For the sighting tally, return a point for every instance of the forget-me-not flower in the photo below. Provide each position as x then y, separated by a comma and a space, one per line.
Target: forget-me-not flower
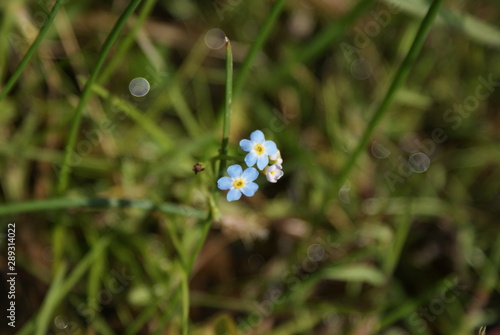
258, 149
273, 172
276, 160
238, 182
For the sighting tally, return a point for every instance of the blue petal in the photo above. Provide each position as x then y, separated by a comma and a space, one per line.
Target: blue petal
234, 194
224, 183
257, 136
234, 171
246, 145
249, 189
250, 174
250, 159
270, 147
262, 162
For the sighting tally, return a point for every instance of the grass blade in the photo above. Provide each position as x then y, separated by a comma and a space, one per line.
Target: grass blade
396, 83
257, 45
127, 42
65, 170
31, 51
227, 107
65, 203
59, 288
50, 302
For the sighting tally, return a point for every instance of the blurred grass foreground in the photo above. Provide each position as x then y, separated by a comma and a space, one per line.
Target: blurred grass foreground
117, 119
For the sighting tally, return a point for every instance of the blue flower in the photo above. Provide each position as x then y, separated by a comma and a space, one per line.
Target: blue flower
258, 149
238, 182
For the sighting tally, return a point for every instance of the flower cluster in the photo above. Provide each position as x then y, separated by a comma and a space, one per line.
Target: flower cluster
261, 152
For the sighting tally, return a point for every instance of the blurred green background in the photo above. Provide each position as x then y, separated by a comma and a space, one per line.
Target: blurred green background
404, 242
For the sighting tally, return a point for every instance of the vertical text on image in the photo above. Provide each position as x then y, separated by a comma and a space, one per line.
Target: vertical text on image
11, 274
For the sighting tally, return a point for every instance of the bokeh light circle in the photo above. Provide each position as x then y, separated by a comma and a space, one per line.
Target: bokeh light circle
419, 162
215, 38
344, 192
379, 151
316, 252
61, 322
139, 87
361, 69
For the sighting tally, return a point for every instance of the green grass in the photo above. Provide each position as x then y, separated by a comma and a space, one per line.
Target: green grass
115, 233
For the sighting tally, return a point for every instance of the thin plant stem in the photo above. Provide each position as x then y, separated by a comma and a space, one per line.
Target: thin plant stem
226, 157
67, 203
5, 25
31, 51
402, 230
227, 107
127, 41
185, 302
65, 170
396, 83
50, 301
242, 75
174, 237
226, 127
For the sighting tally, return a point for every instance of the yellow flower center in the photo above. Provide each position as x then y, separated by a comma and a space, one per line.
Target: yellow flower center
238, 183
259, 149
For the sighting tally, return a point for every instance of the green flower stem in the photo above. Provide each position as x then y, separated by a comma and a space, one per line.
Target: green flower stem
67, 203
222, 166
226, 157
245, 69
65, 170
185, 302
31, 51
227, 108
396, 83
243, 72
